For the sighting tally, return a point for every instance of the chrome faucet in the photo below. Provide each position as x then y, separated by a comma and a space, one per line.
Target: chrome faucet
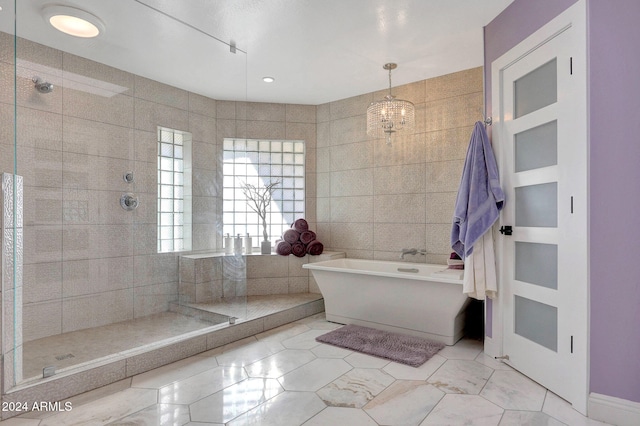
412, 251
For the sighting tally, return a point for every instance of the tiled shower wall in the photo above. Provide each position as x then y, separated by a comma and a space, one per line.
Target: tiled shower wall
373, 199
88, 262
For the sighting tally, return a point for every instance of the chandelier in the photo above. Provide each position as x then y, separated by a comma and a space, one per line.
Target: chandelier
387, 116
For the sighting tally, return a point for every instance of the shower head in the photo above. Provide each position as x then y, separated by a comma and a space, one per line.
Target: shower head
42, 86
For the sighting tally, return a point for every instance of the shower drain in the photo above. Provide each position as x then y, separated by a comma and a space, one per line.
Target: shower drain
65, 356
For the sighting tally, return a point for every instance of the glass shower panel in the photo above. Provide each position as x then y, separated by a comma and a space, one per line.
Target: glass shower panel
537, 322
537, 147
87, 147
537, 205
537, 264
11, 224
536, 89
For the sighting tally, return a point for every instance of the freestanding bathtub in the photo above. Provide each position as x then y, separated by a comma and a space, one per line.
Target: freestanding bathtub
411, 298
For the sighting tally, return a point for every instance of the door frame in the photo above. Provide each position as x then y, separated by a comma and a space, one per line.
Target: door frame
574, 17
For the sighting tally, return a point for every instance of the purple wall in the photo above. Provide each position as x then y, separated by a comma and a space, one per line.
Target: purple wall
614, 189
614, 175
518, 21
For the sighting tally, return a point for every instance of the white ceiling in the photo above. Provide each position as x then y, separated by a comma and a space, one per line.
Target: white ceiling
317, 50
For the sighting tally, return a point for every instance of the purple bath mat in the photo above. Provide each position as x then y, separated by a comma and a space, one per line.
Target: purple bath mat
410, 350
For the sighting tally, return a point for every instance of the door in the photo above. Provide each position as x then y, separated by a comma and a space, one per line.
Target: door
540, 139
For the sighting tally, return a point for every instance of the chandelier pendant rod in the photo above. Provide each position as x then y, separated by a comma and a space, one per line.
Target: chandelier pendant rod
390, 66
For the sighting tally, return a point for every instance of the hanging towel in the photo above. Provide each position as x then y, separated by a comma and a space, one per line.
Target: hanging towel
480, 196
479, 279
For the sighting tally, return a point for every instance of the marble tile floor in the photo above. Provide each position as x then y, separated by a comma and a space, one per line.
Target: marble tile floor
284, 377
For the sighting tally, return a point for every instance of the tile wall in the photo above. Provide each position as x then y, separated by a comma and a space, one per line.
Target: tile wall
88, 262
373, 199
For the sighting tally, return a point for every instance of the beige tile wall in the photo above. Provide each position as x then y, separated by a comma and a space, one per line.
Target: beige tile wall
87, 261
373, 199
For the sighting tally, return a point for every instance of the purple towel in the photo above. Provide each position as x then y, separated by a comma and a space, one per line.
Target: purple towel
291, 236
283, 248
315, 248
480, 196
298, 249
300, 225
307, 236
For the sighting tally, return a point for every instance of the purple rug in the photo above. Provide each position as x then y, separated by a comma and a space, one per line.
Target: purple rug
410, 350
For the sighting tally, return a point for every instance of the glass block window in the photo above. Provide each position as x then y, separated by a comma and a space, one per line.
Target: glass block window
261, 163
174, 190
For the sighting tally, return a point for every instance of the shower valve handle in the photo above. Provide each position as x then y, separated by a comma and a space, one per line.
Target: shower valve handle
129, 201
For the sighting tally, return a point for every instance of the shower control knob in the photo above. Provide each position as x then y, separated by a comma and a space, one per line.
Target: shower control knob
129, 201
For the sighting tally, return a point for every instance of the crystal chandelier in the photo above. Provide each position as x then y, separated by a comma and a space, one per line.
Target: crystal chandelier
387, 116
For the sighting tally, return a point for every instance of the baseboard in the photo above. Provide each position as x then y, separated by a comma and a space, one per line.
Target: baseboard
615, 411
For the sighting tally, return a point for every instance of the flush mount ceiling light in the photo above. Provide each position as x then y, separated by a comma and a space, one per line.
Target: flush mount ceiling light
72, 21
389, 115
268, 79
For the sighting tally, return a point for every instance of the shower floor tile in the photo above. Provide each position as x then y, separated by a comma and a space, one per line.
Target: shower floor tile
77, 347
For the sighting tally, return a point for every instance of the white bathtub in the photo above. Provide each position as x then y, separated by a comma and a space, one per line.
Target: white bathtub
418, 299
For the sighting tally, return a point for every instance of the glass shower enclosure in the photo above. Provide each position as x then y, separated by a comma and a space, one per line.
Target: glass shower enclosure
111, 177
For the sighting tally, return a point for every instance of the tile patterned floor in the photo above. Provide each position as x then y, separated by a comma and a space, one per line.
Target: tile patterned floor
284, 377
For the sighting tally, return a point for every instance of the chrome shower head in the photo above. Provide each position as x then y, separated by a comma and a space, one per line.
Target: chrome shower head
42, 86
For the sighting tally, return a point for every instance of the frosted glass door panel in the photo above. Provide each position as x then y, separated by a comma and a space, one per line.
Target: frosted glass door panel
537, 147
537, 264
536, 89
537, 205
537, 322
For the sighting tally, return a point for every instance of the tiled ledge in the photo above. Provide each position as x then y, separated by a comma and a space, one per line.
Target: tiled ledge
211, 277
326, 255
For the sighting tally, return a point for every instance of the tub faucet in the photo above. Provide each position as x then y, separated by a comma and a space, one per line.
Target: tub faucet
412, 251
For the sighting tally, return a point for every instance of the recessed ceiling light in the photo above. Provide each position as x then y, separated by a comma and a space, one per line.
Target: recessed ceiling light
72, 21
268, 79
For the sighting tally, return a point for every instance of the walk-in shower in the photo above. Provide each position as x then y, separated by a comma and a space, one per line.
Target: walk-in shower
86, 280
118, 264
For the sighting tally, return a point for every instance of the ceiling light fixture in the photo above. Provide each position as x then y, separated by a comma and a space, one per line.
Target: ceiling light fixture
268, 79
72, 21
387, 116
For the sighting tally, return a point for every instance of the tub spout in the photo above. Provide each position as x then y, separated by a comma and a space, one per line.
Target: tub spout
412, 251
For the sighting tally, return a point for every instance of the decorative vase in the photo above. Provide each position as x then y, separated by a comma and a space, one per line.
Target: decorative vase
265, 247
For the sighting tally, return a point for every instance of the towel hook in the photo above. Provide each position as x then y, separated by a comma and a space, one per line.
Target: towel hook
486, 120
